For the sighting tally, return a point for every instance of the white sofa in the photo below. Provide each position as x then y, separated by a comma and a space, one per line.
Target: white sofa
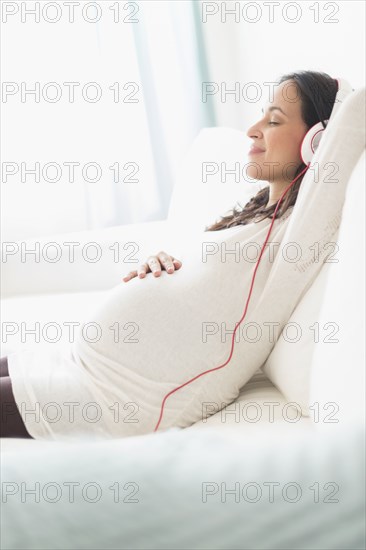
209, 485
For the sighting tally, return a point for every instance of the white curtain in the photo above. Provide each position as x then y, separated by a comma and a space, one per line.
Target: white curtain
137, 106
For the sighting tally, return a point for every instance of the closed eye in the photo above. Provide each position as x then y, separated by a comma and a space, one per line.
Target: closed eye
273, 122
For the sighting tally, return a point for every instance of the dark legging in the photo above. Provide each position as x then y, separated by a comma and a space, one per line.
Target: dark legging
11, 424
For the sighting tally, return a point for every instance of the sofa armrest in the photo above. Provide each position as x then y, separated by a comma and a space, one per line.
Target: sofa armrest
191, 489
80, 261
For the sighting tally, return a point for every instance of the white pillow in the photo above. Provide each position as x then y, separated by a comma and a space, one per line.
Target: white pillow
288, 366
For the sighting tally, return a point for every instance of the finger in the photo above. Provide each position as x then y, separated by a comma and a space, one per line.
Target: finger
154, 265
166, 261
143, 269
129, 276
177, 264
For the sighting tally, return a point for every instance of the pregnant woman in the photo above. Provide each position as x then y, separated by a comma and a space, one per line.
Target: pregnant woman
181, 314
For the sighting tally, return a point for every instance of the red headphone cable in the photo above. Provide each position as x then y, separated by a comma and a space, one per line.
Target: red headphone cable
246, 306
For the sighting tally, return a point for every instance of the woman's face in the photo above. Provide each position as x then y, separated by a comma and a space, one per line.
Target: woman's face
278, 135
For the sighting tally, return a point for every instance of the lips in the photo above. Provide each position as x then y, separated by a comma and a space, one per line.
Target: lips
254, 150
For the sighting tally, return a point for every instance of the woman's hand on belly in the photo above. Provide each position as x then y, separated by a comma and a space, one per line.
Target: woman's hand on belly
154, 264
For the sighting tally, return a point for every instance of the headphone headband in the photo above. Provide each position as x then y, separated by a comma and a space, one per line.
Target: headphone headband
344, 88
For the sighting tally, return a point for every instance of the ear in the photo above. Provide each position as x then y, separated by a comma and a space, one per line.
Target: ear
311, 141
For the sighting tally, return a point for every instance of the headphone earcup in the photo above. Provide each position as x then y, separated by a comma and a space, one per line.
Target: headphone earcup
311, 141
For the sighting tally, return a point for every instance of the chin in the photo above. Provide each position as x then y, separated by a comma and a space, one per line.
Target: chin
255, 171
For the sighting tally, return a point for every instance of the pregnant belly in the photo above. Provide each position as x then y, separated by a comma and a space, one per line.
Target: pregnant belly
167, 328
171, 328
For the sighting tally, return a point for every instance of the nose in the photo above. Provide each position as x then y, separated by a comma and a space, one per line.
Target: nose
254, 132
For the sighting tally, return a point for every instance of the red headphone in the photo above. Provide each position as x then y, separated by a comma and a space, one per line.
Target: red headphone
312, 138
309, 145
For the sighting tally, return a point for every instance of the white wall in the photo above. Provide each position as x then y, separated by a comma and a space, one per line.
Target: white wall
261, 51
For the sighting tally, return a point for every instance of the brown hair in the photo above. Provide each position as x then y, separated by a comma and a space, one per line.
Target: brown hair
317, 93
